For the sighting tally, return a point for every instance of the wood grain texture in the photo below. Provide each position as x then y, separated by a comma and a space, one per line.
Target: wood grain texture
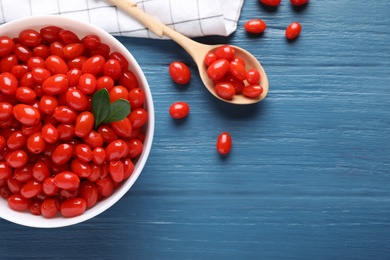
308, 176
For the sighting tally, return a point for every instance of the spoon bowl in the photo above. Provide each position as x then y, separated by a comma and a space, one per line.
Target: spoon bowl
197, 51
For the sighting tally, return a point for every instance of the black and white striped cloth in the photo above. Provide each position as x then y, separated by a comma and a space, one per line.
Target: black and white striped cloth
190, 17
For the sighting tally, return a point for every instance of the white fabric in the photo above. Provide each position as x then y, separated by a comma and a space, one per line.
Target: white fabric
190, 17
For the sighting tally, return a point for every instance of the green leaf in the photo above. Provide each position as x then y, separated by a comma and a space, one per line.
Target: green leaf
100, 105
119, 110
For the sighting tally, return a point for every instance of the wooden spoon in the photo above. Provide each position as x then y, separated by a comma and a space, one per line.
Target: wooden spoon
197, 51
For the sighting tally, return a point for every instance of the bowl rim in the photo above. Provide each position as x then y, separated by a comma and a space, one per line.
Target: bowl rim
73, 24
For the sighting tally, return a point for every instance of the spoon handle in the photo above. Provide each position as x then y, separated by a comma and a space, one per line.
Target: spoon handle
193, 48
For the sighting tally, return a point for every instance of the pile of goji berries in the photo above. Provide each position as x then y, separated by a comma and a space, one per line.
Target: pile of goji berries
230, 75
54, 158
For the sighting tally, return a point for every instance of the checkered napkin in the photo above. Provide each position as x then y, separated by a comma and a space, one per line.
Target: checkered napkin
190, 17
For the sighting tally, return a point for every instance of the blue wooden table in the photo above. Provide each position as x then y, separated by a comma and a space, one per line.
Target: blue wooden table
309, 173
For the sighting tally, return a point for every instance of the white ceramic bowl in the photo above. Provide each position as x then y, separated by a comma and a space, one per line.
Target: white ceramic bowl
12, 29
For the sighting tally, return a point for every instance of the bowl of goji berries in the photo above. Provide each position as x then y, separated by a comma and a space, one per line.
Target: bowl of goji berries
76, 121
